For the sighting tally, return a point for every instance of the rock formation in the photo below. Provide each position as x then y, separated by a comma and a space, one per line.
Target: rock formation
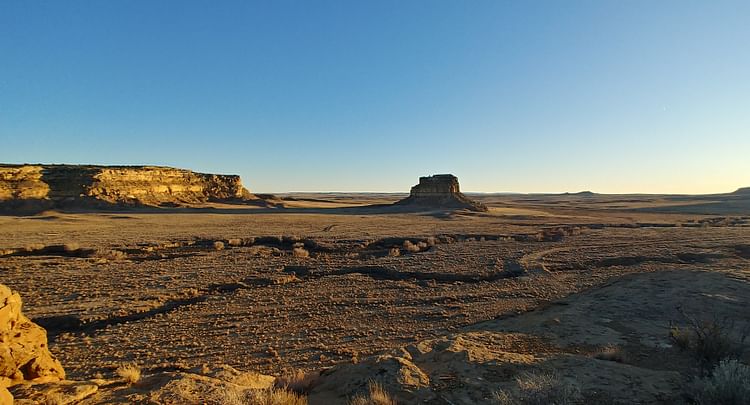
54, 186
440, 191
24, 355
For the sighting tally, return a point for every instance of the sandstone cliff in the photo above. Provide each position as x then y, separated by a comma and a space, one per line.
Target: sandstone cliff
440, 191
23, 348
50, 186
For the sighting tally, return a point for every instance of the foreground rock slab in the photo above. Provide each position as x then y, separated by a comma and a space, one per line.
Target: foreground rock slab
24, 355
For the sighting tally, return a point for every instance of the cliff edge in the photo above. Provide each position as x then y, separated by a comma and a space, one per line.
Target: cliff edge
34, 187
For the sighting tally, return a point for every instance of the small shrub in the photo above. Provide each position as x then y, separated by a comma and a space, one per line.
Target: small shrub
130, 373
611, 353
297, 381
300, 252
71, 247
377, 395
394, 252
431, 241
729, 384
271, 396
275, 396
680, 337
219, 245
109, 254
708, 340
540, 389
234, 242
410, 247
33, 247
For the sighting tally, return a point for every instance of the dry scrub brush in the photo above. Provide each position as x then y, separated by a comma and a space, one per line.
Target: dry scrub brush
298, 381
269, 396
130, 373
540, 389
729, 384
611, 353
300, 252
709, 340
377, 395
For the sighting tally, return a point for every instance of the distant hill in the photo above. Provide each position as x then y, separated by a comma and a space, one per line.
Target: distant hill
742, 191
582, 194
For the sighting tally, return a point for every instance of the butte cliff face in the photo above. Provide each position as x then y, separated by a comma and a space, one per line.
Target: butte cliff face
440, 191
52, 186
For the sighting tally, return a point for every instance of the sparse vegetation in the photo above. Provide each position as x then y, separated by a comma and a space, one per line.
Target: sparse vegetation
410, 247
376, 395
71, 247
234, 242
709, 340
218, 245
270, 396
539, 389
130, 373
611, 353
297, 381
300, 252
729, 384
394, 252
275, 396
112, 255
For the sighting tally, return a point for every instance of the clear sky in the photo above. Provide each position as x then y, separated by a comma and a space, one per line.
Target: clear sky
526, 96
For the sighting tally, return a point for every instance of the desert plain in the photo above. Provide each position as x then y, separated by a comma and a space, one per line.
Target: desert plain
334, 292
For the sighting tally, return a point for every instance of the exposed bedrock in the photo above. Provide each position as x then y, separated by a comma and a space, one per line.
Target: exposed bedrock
24, 355
51, 186
440, 191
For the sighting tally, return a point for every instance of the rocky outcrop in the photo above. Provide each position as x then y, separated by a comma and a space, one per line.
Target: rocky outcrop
440, 191
52, 186
24, 355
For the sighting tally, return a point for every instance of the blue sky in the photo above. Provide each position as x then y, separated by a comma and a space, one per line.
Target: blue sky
525, 96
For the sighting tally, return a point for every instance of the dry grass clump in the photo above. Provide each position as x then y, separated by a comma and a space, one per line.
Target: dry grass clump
611, 353
130, 373
394, 252
300, 252
377, 395
540, 389
218, 245
110, 254
297, 381
708, 340
271, 396
33, 247
71, 247
275, 396
234, 242
410, 247
729, 384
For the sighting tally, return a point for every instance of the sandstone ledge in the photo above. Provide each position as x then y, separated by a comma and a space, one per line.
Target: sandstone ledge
38, 187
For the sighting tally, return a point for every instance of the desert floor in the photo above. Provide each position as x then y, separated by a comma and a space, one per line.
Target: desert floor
570, 274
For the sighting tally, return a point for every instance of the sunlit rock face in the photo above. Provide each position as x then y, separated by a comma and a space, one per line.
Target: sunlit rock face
440, 191
24, 355
436, 186
53, 185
